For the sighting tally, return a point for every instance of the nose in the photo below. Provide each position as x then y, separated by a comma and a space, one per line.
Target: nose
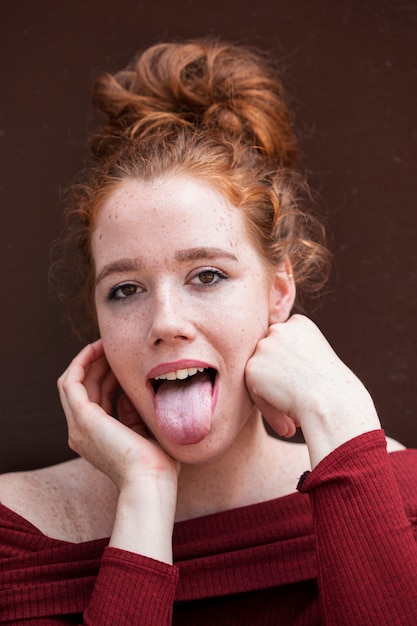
170, 317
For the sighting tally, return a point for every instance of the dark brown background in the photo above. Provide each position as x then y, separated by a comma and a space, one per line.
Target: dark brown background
351, 68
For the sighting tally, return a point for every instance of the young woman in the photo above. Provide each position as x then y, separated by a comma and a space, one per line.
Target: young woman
192, 242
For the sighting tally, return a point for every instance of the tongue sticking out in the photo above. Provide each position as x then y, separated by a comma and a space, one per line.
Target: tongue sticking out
183, 409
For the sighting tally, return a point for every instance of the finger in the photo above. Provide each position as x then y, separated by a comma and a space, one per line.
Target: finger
290, 426
129, 416
105, 382
108, 390
79, 365
281, 423
72, 391
91, 369
101, 383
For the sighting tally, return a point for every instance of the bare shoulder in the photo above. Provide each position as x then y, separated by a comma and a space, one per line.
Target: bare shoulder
301, 452
393, 445
292, 459
297, 458
70, 501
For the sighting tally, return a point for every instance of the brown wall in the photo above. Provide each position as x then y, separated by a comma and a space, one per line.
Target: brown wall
352, 72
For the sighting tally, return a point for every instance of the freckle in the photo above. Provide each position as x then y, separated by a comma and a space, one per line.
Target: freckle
101, 237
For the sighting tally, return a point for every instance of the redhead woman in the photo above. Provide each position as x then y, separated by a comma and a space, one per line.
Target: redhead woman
194, 250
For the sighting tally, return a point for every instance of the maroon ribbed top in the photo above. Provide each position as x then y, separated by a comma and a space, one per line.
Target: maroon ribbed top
341, 552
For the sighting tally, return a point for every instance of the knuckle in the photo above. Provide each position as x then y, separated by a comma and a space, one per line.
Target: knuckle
64, 385
73, 440
250, 366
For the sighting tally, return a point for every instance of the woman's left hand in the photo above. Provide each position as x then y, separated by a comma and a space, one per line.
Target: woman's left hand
296, 379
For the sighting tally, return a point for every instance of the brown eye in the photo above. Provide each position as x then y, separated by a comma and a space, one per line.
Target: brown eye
128, 290
124, 291
207, 276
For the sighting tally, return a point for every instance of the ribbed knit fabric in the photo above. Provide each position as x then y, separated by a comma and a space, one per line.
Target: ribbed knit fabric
363, 534
135, 592
342, 552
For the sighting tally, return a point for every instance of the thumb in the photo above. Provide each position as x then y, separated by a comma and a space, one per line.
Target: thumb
283, 425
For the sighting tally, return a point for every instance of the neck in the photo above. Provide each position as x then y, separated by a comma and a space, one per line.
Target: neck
239, 477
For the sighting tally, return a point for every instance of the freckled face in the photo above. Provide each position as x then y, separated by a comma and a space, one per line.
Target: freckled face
180, 285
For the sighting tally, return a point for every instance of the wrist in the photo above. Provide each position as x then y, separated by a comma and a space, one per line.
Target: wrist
339, 418
145, 516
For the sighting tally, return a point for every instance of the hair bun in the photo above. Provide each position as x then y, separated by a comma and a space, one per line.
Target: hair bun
227, 89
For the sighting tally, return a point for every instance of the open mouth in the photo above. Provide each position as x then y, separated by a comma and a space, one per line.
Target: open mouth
184, 376
184, 401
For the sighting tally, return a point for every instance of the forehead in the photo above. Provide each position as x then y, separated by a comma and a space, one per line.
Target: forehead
178, 209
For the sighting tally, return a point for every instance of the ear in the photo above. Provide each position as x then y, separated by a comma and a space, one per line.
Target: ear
282, 294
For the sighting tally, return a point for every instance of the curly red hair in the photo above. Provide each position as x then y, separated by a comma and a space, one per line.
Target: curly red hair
208, 109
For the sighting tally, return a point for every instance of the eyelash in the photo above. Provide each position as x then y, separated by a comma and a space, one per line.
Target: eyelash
210, 270
112, 294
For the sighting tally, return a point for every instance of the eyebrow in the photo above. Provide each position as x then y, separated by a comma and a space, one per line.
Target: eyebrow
117, 267
190, 254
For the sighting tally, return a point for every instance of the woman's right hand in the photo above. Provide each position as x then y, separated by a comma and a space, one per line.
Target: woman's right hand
144, 474
121, 449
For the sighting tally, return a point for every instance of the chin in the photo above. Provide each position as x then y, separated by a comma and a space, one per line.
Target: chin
213, 446
191, 454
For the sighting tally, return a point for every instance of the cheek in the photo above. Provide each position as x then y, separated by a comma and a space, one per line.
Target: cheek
119, 345
255, 313
118, 327
245, 328
115, 351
